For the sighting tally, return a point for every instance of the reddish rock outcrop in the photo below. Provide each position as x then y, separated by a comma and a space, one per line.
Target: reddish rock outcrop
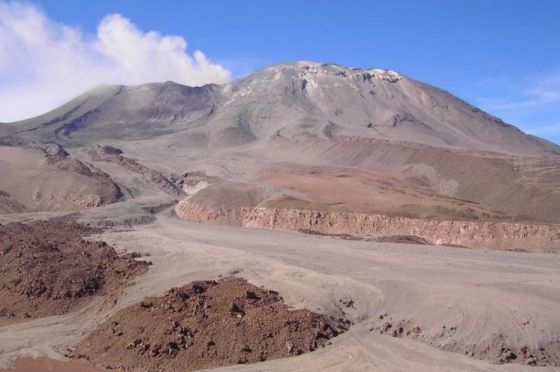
475, 234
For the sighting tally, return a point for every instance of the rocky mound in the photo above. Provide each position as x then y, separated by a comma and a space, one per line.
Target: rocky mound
47, 268
203, 325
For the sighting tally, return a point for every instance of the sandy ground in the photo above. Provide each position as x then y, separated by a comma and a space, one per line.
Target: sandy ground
481, 293
6, 322
50, 365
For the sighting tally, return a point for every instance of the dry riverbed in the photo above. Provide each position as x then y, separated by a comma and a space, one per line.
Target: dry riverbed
413, 307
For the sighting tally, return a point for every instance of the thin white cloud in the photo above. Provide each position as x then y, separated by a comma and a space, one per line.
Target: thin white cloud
44, 63
546, 90
545, 130
529, 93
532, 103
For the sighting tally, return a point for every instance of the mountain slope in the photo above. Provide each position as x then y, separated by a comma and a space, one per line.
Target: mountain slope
303, 100
317, 136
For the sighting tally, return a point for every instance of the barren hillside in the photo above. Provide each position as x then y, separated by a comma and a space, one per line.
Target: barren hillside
309, 136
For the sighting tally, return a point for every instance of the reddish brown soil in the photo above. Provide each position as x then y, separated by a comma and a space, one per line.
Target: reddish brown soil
203, 325
4, 322
50, 365
46, 268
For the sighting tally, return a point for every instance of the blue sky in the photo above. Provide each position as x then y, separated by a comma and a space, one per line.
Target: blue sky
503, 56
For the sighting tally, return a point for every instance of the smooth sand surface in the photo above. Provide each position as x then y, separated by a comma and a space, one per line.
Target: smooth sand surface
481, 293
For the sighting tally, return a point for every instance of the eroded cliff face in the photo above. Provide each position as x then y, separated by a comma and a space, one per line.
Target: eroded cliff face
47, 178
474, 234
106, 191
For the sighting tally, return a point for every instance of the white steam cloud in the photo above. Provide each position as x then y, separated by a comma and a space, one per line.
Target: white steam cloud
44, 63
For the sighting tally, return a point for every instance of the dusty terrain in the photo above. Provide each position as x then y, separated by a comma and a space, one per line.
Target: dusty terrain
459, 310
206, 324
355, 159
50, 365
48, 268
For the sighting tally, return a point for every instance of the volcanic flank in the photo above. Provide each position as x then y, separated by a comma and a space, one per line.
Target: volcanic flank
314, 137
370, 156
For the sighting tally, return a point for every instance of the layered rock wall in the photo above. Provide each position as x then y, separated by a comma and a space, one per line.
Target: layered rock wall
475, 234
